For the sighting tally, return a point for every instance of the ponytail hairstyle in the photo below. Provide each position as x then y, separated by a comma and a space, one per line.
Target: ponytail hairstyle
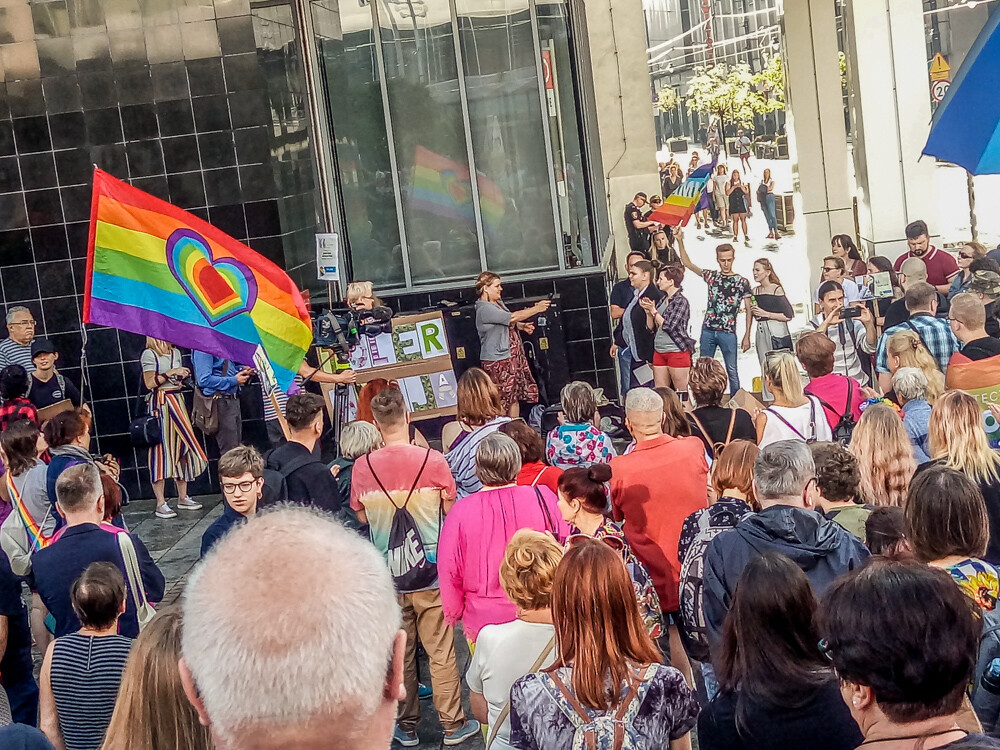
586, 484
782, 369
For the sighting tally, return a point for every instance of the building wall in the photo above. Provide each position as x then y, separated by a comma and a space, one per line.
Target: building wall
205, 104
200, 104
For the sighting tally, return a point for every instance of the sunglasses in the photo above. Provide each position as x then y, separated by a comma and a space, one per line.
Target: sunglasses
835, 268
965, 256
612, 541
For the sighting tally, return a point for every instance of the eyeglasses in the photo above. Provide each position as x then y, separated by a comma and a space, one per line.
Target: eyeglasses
23, 323
612, 541
230, 487
835, 268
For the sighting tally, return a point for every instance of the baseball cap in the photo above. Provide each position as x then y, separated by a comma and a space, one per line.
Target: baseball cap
42, 346
985, 282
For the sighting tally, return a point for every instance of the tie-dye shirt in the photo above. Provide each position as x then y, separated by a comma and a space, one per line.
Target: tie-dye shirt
571, 445
397, 466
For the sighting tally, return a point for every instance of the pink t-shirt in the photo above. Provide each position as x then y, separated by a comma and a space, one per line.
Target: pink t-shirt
941, 266
472, 546
832, 390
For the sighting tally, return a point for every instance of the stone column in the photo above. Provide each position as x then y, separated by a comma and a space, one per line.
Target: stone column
891, 114
817, 134
616, 36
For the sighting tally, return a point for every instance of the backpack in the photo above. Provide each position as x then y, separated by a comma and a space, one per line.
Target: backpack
20, 535
844, 429
986, 703
275, 488
761, 193
717, 447
409, 564
60, 380
605, 730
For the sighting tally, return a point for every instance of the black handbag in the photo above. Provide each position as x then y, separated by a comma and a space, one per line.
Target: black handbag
145, 429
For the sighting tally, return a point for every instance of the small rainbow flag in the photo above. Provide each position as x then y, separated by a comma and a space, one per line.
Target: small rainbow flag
443, 187
157, 270
689, 197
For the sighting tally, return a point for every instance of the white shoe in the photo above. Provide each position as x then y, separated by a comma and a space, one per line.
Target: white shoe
165, 511
188, 504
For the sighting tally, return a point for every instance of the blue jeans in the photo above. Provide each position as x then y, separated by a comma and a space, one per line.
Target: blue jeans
769, 214
726, 341
625, 371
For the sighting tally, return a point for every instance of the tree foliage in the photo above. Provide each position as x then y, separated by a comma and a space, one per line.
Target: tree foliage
666, 99
735, 93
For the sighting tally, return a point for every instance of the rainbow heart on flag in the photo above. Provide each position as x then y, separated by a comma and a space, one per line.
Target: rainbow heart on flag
221, 288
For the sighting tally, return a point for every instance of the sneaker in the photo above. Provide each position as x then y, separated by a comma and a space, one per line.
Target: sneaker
424, 691
465, 732
404, 738
188, 504
165, 511
746, 241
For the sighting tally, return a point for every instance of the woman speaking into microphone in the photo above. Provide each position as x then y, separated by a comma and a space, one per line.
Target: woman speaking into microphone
502, 353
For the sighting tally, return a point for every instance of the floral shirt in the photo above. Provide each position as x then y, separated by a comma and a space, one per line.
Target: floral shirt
570, 445
539, 720
978, 580
645, 592
725, 295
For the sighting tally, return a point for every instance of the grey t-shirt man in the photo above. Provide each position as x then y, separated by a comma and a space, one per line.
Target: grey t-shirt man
493, 324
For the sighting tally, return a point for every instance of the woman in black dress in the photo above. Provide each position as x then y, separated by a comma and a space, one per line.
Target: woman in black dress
771, 311
739, 205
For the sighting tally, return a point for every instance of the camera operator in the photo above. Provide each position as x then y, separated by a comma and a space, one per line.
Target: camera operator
275, 435
361, 296
852, 330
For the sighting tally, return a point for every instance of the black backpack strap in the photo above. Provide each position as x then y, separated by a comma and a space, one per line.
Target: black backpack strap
914, 329
409, 494
297, 463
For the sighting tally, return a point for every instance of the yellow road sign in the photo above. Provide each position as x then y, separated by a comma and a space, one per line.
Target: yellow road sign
940, 69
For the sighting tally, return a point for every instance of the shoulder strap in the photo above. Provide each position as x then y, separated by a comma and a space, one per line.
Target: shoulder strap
732, 424
570, 698
505, 712
701, 427
850, 396
913, 328
539, 476
297, 463
787, 423
549, 523
132, 572
412, 488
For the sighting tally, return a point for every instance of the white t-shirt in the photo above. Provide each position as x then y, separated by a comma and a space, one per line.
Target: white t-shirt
504, 654
806, 422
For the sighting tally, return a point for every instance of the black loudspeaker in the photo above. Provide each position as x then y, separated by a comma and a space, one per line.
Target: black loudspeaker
545, 347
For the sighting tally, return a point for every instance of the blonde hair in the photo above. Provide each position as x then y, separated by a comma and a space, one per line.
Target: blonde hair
159, 346
528, 567
957, 435
359, 290
152, 712
782, 369
907, 346
885, 456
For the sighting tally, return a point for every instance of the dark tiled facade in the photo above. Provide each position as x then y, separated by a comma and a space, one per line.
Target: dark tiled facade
202, 103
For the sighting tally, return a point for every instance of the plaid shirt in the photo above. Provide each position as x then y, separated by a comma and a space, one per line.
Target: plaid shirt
934, 332
16, 409
676, 314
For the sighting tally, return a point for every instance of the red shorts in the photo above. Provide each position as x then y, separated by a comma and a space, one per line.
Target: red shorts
672, 359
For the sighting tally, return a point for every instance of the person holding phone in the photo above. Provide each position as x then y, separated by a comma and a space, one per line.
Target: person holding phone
852, 330
221, 379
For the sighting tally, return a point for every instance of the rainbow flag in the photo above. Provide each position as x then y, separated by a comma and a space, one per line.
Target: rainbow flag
157, 270
691, 196
444, 188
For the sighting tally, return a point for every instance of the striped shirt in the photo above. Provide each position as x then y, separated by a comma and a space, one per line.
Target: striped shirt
462, 458
86, 674
13, 353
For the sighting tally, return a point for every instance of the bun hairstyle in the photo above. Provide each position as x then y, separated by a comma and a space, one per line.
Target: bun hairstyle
586, 484
484, 280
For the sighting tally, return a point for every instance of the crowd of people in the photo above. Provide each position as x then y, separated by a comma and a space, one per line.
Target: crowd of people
820, 571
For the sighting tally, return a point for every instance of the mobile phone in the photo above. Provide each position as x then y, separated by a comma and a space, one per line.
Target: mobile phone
850, 312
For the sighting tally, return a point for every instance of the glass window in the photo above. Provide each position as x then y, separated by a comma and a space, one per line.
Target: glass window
348, 64
418, 49
513, 174
567, 147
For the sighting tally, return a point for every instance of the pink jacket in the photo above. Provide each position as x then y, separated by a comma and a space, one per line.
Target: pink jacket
472, 545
